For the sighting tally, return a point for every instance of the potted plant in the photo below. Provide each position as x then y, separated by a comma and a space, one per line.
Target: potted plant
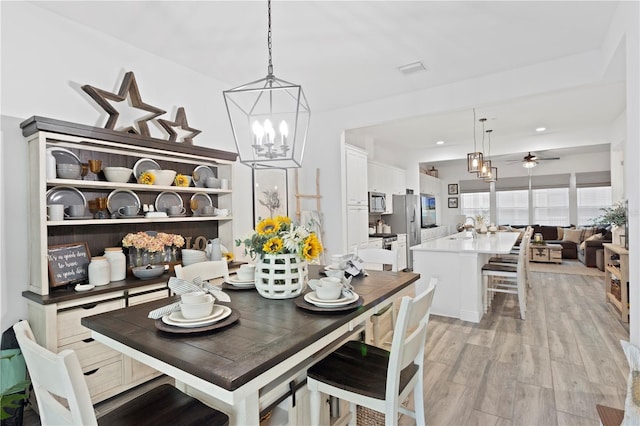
616, 216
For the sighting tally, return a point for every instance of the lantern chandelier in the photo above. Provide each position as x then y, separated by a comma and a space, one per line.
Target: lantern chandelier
269, 119
491, 172
474, 159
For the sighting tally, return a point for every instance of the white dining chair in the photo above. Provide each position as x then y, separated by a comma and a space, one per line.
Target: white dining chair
497, 278
374, 378
56, 376
207, 270
378, 257
382, 322
512, 259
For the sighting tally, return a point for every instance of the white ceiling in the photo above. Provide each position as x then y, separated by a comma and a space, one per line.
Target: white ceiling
344, 53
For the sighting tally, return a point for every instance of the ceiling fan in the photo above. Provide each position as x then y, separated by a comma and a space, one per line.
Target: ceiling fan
531, 160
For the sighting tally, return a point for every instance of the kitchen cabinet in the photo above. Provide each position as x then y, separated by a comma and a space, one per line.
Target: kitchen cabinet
434, 233
430, 185
401, 245
357, 228
356, 176
55, 313
386, 179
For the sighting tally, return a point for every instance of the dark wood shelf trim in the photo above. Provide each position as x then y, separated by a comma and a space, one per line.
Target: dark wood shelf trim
36, 124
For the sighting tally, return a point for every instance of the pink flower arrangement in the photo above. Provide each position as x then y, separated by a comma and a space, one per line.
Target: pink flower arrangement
152, 243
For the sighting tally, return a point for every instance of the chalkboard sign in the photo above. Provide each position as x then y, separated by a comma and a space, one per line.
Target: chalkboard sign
68, 264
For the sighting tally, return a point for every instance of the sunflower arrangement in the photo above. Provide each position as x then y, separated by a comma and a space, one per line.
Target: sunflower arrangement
278, 235
147, 178
181, 180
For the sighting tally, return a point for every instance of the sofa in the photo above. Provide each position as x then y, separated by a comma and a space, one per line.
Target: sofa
580, 243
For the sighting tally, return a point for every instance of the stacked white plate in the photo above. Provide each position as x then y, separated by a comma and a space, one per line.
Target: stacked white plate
192, 256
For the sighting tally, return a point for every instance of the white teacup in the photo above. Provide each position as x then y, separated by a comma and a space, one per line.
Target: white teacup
337, 261
329, 288
194, 297
175, 210
198, 310
75, 210
246, 272
55, 212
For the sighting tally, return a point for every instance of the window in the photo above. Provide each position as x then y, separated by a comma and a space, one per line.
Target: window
590, 201
474, 203
513, 207
551, 206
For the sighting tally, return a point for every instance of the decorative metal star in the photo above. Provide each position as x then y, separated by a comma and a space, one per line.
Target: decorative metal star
129, 88
181, 122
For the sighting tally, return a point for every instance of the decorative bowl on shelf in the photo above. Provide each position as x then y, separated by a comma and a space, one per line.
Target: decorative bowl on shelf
148, 272
117, 174
162, 177
68, 171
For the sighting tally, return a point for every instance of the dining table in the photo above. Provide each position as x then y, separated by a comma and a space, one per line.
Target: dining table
241, 368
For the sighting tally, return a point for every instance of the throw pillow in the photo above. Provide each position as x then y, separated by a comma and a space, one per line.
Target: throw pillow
572, 235
632, 401
586, 233
594, 237
560, 233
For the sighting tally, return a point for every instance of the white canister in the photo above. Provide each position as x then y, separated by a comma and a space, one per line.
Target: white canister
99, 271
51, 165
117, 263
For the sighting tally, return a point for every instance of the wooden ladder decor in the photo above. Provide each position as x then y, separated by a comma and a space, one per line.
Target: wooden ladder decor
317, 195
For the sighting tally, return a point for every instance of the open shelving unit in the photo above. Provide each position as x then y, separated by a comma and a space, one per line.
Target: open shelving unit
616, 276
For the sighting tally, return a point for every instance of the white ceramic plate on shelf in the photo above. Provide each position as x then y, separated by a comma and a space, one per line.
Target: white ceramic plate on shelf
67, 195
144, 164
203, 200
200, 322
120, 198
200, 175
64, 156
166, 199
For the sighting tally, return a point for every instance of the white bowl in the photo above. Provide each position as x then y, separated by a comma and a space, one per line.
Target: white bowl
246, 272
194, 297
197, 310
163, 177
148, 272
329, 288
68, 171
117, 174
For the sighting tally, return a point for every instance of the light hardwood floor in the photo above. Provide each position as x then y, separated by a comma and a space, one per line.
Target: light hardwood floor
551, 369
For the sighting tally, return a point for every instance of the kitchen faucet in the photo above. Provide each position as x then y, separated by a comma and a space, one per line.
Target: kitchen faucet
467, 225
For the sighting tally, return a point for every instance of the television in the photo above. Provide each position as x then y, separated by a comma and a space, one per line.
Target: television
428, 211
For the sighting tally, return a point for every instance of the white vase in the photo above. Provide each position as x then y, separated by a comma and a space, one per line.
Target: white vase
616, 232
281, 276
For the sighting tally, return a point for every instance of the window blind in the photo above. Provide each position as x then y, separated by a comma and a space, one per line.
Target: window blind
592, 179
474, 185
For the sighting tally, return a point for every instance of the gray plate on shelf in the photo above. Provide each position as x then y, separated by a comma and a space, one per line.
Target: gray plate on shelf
200, 175
203, 200
166, 199
144, 164
120, 198
64, 156
66, 195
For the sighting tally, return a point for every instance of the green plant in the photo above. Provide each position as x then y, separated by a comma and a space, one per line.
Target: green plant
14, 395
616, 215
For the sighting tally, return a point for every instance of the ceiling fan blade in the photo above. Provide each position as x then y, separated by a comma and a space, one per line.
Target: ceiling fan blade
547, 158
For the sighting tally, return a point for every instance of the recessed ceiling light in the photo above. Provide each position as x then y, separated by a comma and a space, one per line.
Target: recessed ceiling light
412, 68
541, 129
440, 143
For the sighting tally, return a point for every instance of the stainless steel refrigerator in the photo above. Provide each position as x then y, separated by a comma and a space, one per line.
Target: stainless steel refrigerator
405, 219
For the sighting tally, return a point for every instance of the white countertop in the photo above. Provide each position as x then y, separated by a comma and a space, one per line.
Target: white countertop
498, 243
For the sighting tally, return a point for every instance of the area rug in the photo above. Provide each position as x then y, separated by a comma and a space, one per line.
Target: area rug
572, 267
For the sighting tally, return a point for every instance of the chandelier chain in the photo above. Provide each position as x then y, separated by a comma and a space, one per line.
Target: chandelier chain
270, 67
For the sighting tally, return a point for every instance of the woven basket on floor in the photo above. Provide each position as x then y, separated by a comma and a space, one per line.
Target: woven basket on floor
368, 417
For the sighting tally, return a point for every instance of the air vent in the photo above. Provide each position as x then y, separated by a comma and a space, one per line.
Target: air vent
412, 68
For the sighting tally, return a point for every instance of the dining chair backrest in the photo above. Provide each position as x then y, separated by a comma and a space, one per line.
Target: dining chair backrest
54, 376
206, 270
409, 336
379, 256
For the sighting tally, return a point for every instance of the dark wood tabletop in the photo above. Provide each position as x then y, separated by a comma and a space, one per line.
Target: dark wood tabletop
267, 333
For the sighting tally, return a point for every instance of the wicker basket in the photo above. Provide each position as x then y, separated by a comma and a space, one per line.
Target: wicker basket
280, 276
368, 417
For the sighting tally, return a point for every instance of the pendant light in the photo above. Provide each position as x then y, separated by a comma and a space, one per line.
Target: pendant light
474, 159
485, 168
269, 119
491, 174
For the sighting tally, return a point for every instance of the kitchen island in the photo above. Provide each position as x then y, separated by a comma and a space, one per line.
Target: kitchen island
456, 260
253, 364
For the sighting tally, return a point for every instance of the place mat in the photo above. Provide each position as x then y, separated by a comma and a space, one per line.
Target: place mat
303, 304
235, 316
227, 286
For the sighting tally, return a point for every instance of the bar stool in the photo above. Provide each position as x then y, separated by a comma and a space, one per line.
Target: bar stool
372, 377
56, 376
